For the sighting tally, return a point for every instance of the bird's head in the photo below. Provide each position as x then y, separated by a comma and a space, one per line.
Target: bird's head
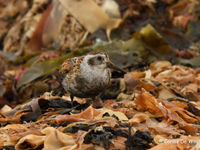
102, 61
99, 60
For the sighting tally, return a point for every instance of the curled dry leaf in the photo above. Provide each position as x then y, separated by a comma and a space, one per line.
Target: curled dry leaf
169, 146
54, 139
182, 80
10, 134
31, 141
146, 101
143, 121
159, 66
169, 111
89, 113
119, 115
58, 140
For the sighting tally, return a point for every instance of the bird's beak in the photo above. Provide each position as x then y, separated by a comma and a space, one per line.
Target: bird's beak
114, 67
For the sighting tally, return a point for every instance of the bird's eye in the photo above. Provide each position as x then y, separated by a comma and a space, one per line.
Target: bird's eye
99, 58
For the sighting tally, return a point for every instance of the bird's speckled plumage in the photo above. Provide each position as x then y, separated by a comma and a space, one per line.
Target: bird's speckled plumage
86, 76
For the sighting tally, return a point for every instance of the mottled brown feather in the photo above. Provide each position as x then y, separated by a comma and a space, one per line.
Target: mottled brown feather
66, 66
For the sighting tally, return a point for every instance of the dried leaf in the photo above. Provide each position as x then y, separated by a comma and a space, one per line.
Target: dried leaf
57, 140
119, 115
89, 113
148, 102
31, 141
159, 66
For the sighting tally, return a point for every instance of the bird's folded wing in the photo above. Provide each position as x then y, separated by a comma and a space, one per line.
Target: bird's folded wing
67, 66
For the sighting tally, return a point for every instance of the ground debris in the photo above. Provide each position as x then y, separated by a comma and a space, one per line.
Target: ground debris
152, 103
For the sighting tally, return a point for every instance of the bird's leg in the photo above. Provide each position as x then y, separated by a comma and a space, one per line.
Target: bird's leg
97, 102
72, 99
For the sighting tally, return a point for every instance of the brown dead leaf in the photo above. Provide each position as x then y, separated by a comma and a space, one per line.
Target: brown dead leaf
179, 115
130, 81
31, 141
165, 93
118, 114
182, 21
168, 146
1, 143
57, 140
5, 109
182, 80
137, 80
135, 74
10, 134
155, 127
159, 66
169, 111
146, 101
52, 139
180, 105
89, 113
138, 118
163, 128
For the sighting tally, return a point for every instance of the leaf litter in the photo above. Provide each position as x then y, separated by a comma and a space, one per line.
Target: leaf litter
154, 105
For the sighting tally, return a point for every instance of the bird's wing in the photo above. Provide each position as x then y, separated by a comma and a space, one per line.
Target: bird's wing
67, 66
